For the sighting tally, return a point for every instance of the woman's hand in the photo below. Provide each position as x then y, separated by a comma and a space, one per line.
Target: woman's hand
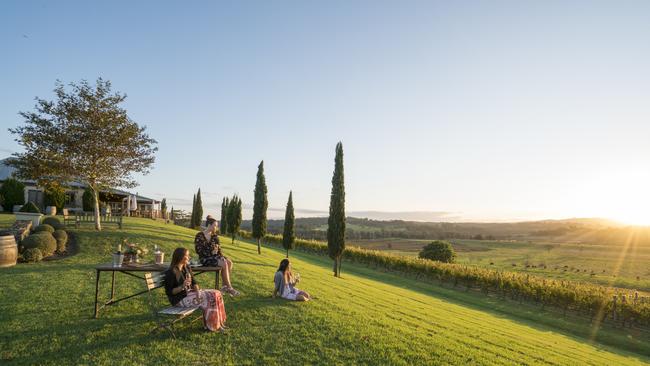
195, 287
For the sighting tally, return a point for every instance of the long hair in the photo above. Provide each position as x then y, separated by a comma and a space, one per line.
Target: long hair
177, 257
284, 265
209, 220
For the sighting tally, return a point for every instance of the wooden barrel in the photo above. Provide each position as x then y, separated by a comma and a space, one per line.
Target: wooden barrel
8, 250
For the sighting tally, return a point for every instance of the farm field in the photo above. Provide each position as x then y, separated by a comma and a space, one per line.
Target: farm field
47, 308
609, 265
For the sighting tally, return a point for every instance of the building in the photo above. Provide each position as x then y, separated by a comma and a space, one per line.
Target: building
120, 202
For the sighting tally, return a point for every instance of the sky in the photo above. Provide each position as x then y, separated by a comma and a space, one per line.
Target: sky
447, 111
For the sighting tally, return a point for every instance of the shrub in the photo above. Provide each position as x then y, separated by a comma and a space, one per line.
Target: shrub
88, 200
43, 241
61, 240
2, 200
13, 192
32, 255
30, 207
44, 227
53, 222
55, 196
439, 250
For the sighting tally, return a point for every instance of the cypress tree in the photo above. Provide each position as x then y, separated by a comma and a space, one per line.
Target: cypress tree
171, 215
259, 207
163, 208
336, 221
193, 212
199, 210
234, 216
223, 224
289, 235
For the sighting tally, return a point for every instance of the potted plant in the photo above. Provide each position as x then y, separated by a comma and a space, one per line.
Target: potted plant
29, 212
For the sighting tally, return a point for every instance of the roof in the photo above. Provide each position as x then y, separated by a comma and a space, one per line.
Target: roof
7, 171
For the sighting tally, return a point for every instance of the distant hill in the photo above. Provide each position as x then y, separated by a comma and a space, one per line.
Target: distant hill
587, 230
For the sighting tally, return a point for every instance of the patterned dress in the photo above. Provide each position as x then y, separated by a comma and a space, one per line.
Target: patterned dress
206, 249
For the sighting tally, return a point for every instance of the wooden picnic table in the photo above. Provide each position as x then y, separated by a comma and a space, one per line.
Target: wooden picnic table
131, 270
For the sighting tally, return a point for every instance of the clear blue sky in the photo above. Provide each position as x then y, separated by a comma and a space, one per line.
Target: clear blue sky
485, 110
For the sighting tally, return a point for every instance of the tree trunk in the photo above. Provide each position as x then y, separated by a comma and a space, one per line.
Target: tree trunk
335, 268
287, 252
259, 248
98, 225
339, 267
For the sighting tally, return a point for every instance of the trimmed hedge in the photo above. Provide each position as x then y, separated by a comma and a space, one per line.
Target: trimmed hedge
54, 222
621, 305
32, 255
61, 240
44, 227
43, 240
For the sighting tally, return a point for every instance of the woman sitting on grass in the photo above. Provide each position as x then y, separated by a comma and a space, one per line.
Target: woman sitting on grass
182, 290
285, 283
206, 244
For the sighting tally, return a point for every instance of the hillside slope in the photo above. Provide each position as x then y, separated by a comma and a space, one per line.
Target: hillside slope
366, 317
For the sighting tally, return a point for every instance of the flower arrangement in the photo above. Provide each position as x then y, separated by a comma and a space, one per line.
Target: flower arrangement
133, 251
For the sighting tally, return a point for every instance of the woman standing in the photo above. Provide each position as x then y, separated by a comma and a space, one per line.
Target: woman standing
182, 290
206, 244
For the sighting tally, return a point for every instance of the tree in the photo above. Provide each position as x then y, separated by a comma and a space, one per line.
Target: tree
234, 216
198, 211
223, 224
163, 208
439, 250
83, 136
288, 234
259, 207
171, 214
192, 215
336, 220
13, 192
54, 196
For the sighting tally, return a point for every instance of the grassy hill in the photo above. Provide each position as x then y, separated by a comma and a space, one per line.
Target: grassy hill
366, 317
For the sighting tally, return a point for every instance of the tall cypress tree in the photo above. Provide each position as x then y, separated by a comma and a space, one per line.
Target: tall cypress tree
336, 221
223, 224
171, 215
193, 212
234, 216
288, 234
199, 210
259, 207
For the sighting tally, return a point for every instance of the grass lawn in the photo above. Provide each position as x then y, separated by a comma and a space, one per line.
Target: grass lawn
366, 317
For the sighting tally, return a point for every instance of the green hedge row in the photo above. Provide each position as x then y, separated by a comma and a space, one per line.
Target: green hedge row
620, 305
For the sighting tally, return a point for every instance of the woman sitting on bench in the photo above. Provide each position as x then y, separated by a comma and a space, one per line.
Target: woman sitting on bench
285, 283
206, 244
182, 290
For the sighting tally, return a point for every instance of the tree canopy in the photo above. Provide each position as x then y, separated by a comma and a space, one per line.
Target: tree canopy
439, 250
336, 221
85, 136
259, 207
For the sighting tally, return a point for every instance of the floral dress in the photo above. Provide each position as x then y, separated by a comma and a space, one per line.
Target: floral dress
206, 249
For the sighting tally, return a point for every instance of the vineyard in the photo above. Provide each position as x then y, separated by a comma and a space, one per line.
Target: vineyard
600, 303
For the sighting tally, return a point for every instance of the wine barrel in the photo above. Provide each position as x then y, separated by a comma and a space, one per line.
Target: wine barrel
8, 250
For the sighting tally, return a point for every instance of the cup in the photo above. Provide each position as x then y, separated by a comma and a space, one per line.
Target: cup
118, 259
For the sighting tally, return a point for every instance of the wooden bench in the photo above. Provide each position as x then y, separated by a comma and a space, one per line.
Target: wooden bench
79, 219
168, 316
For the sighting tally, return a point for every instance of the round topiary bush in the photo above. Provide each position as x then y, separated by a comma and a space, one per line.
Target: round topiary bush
53, 222
32, 255
44, 227
439, 250
43, 240
61, 240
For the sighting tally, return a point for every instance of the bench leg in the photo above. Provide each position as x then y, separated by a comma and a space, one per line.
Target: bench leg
96, 295
113, 287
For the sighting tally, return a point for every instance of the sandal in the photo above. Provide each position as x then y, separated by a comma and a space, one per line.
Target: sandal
233, 292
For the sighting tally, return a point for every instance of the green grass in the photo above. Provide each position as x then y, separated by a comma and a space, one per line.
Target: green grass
612, 265
366, 317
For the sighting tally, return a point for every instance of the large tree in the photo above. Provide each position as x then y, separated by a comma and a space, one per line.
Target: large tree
163, 208
223, 224
289, 234
336, 221
259, 207
85, 136
234, 216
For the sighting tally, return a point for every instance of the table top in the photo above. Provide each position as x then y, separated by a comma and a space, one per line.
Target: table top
149, 267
